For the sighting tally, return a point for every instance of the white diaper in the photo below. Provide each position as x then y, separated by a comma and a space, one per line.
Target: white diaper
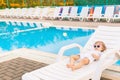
89, 56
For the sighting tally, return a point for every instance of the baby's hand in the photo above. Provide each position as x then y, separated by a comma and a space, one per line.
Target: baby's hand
96, 57
69, 65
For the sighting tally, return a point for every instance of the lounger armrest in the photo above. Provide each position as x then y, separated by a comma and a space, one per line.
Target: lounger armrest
102, 15
64, 48
90, 15
116, 15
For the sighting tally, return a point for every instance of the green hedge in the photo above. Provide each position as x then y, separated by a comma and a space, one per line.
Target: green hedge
33, 3
96, 2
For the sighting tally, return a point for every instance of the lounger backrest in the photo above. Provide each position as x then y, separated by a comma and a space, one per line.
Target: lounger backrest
30, 11
12, 10
97, 12
73, 11
109, 12
38, 11
23, 11
109, 35
84, 12
65, 11
44, 11
6, 11
57, 11
79, 10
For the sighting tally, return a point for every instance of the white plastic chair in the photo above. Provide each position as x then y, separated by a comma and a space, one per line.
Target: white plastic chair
64, 13
73, 13
57, 12
2, 13
83, 14
58, 71
50, 13
10, 13
97, 14
37, 13
23, 11
16, 13
109, 13
29, 13
44, 12
116, 17
5, 12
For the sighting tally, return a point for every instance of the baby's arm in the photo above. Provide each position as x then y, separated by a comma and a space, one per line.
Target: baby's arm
95, 56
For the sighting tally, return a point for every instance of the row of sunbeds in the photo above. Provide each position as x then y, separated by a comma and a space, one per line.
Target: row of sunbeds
82, 13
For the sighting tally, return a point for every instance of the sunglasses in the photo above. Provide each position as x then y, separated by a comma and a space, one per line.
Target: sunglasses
96, 46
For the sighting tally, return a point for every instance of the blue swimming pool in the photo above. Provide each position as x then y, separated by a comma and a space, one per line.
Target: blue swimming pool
14, 35
17, 35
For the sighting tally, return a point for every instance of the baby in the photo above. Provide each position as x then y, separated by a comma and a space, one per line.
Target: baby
86, 58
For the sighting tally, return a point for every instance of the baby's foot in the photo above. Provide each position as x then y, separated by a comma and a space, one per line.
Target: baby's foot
73, 68
69, 65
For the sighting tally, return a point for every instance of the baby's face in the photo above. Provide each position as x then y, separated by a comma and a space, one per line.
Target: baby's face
98, 46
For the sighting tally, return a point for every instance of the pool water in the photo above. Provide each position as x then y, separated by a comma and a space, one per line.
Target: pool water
14, 35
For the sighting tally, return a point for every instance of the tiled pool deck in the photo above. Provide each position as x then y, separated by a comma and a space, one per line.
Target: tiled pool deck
15, 68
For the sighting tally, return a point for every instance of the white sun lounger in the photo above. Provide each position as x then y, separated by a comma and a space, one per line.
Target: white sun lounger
59, 71
50, 13
44, 12
109, 13
83, 13
23, 11
97, 14
5, 12
16, 12
73, 13
64, 13
29, 13
10, 13
37, 13
116, 17
57, 12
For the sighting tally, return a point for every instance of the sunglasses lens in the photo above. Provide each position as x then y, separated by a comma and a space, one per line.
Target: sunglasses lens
96, 46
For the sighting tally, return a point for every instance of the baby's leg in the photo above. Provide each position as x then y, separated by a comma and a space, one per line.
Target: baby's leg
72, 60
83, 62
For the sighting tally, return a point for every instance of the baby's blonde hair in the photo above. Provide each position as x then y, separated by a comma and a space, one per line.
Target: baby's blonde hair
103, 45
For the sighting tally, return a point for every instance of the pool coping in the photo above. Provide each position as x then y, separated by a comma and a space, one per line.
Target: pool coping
49, 24
39, 56
15, 68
